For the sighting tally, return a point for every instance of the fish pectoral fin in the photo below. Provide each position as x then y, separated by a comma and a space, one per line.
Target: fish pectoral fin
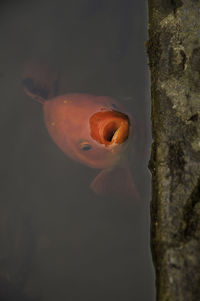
116, 182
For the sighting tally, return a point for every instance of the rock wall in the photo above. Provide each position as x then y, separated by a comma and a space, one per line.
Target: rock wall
174, 59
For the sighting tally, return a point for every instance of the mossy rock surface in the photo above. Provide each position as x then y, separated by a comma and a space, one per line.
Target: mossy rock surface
174, 60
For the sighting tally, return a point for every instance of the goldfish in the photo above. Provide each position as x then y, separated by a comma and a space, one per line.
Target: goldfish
92, 130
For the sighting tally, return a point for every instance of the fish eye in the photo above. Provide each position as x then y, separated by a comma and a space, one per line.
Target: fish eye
114, 106
84, 145
110, 107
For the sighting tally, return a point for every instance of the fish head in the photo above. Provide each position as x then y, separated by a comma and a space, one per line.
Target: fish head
104, 139
91, 130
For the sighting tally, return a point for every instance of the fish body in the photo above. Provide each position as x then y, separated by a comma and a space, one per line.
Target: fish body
93, 130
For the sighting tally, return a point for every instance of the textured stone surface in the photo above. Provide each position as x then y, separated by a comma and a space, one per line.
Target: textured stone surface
174, 60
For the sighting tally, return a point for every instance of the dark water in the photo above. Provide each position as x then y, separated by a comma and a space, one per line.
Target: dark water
58, 240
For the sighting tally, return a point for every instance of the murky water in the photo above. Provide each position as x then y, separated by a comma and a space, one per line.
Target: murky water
59, 241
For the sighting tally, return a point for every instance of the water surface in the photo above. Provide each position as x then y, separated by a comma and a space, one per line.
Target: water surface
58, 240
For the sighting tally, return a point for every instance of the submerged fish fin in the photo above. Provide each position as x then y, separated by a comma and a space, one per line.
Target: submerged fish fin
39, 81
115, 182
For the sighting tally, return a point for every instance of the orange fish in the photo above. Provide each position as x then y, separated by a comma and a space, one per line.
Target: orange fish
92, 130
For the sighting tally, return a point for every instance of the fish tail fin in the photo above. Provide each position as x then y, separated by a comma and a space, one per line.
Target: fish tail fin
40, 82
117, 182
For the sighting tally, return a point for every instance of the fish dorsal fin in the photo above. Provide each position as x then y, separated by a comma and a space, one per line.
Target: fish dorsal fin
39, 81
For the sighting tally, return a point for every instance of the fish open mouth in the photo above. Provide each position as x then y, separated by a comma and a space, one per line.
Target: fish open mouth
110, 127
109, 131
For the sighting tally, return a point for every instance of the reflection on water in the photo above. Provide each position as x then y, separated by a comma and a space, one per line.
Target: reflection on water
59, 240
